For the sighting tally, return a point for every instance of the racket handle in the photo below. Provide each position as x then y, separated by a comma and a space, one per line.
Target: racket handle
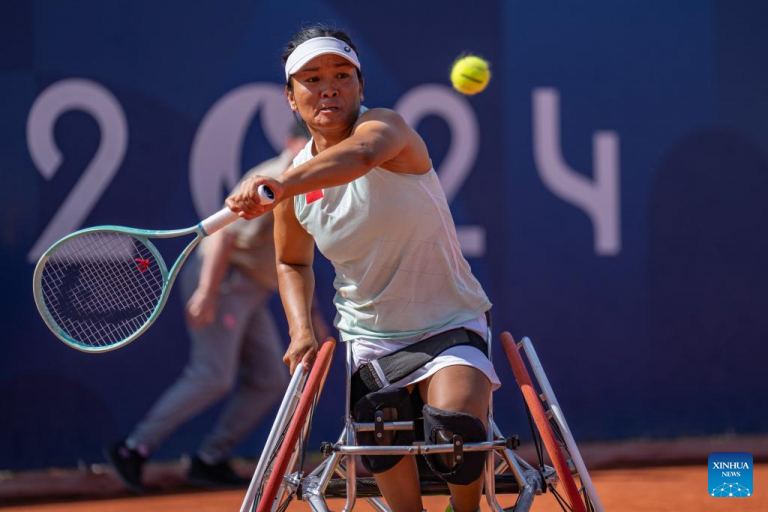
225, 216
266, 196
218, 220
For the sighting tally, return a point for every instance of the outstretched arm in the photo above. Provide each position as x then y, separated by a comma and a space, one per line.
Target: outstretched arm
294, 249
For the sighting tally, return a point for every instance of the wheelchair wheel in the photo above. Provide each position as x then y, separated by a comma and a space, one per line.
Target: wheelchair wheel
274, 488
555, 448
560, 426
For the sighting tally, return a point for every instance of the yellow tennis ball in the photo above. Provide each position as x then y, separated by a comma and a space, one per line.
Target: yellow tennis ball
470, 74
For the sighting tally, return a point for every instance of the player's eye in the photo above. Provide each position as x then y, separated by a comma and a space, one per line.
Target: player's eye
311, 79
342, 75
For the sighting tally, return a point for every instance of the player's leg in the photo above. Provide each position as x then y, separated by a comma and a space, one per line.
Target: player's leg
209, 374
400, 486
458, 397
262, 381
396, 475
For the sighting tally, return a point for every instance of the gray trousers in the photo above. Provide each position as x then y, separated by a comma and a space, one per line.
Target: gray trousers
240, 351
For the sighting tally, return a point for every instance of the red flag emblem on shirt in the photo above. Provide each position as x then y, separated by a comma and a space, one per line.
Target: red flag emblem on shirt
314, 196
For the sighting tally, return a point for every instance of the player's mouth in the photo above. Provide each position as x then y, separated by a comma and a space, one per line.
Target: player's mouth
328, 105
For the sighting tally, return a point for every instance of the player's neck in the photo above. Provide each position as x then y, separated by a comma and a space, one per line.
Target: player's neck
325, 139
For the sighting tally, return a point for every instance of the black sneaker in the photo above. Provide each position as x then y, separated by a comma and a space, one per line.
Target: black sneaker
128, 464
219, 475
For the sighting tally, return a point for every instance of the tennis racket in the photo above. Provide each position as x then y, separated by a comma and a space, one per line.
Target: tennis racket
100, 288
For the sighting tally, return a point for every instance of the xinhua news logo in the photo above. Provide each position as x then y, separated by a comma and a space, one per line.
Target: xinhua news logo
730, 475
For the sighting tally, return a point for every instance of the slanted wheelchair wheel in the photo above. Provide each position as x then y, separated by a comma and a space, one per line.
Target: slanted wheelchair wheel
274, 492
555, 448
560, 426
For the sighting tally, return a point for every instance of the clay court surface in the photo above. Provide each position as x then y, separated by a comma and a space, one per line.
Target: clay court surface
672, 489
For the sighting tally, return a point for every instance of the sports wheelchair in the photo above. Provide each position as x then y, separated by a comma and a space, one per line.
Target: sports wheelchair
279, 476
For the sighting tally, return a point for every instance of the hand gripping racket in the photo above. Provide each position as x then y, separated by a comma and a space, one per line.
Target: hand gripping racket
100, 288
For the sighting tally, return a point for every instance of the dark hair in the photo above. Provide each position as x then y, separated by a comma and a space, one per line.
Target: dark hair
311, 32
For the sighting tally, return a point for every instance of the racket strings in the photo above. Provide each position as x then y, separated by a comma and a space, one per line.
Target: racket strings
77, 306
86, 308
101, 287
98, 275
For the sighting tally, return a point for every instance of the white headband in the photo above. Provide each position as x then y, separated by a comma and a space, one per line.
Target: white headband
308, 50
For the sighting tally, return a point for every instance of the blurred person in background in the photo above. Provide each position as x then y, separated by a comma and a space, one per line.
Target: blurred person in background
235, 347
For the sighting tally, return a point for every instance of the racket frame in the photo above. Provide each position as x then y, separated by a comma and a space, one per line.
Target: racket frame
143, 236
204, 228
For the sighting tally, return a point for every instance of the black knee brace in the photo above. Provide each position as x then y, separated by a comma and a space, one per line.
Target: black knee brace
439, 428
395, 404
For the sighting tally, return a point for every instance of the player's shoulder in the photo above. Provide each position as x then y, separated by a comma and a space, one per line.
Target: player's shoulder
385, 115
380, 113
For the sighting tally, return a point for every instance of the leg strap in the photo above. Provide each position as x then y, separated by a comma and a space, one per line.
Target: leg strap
401, 363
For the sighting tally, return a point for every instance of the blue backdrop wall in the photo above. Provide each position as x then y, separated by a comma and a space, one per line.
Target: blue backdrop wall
609, 188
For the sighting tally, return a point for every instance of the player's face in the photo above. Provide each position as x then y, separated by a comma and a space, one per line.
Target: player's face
327, 93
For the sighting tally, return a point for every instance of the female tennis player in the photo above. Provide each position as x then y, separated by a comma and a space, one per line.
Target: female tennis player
364, 191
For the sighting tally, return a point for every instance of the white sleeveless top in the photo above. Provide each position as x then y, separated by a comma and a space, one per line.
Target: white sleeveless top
399, 269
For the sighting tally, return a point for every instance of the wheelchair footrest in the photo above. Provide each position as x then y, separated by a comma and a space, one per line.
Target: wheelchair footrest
367, 488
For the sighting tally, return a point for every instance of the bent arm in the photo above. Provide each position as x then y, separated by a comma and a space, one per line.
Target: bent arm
380, 136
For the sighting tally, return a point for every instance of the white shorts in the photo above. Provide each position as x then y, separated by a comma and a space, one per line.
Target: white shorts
365, 350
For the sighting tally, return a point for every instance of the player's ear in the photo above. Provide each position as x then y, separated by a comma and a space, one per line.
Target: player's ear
362, 84
291, 98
